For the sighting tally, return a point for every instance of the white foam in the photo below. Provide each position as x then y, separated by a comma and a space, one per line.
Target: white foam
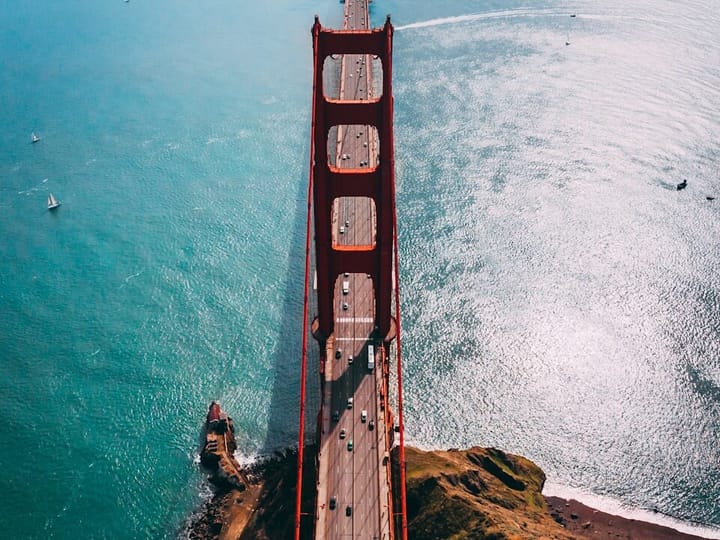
245, 460
613, 506
480, 16
128, 278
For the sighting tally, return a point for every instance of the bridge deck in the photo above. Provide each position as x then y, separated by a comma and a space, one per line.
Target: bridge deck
357, 479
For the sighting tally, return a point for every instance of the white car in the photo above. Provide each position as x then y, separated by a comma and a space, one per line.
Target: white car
342, 229
363, 416
349, 403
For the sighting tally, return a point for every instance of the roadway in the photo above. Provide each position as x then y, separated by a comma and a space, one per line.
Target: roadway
353, 481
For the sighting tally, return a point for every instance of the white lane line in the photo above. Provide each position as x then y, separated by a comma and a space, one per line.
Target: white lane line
352, 339
355, 319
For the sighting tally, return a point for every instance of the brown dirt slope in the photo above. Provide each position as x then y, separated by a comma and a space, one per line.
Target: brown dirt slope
479, 493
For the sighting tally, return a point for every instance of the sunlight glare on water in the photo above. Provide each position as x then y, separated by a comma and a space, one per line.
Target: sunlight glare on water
560, 295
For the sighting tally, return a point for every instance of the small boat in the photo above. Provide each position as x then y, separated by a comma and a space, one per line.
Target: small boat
52, 202
34, 138
681, 185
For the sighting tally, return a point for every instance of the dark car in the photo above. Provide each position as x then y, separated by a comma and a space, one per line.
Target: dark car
371, 425
338, 354
336, 416
348, 511
333, 503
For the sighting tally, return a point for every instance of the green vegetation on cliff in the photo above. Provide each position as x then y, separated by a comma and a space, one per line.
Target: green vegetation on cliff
479, 493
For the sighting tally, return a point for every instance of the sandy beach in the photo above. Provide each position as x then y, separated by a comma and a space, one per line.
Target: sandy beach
587, 522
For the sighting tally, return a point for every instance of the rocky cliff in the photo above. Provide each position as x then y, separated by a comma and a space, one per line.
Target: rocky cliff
474, 494
469, 494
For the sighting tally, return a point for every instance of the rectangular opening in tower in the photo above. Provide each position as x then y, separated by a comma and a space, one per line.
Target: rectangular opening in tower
352, 77
354, 223
353, 147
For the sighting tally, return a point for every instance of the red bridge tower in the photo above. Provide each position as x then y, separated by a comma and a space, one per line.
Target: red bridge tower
331, 182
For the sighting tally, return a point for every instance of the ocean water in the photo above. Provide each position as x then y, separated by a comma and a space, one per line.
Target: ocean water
560, 297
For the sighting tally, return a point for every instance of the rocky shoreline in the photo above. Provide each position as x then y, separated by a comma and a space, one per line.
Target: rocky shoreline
461, 494
264, 510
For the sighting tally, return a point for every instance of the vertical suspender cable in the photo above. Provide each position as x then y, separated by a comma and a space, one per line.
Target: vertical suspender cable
403, 493
303, 362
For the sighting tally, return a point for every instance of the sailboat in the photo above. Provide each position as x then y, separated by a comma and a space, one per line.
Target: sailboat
52, 202
34, 138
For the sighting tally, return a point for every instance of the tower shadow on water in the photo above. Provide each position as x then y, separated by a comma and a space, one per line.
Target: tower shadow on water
284, 406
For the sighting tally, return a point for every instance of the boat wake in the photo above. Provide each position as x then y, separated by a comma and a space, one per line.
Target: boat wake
505, 14
132, 276
33, 189
215, 140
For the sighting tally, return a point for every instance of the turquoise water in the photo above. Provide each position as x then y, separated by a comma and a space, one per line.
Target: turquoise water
560, 297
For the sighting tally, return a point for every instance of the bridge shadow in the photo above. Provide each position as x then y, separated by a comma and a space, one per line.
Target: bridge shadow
278, 450
284, 408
